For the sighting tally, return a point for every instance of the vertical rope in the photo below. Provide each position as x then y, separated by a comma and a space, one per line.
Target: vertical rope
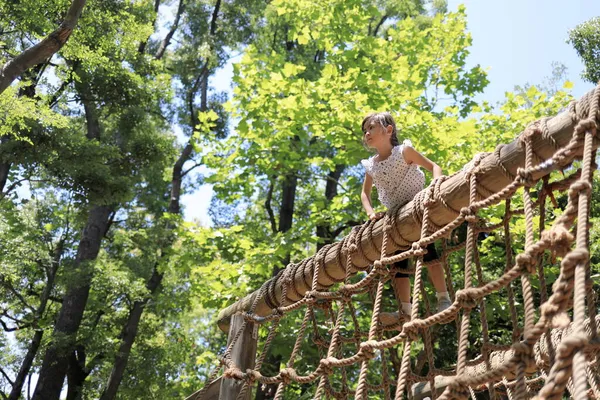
529, 306
542, 222
429, 349
509, 265
361, 390
466, 315
579, 359
485, 351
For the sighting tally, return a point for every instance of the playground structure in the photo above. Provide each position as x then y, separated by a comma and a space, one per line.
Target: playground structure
554, 350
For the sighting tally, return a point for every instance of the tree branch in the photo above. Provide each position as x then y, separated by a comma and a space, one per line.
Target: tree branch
196, 165
64, 85
165, 42
268, 207
213, 21
6, 377
17, 326
44, 49
381, 21
143, 44
346, 225
192, 94
8, 286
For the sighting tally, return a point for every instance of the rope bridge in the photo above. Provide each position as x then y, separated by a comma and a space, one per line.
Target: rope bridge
554, 346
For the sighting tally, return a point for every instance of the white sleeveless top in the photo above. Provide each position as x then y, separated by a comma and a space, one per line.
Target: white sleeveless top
396, 181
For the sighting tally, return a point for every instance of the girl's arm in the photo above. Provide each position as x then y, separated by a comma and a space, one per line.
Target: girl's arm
413, 156
365, 196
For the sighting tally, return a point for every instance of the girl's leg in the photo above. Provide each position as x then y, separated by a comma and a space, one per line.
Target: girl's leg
402, 288
438, 278
436, 271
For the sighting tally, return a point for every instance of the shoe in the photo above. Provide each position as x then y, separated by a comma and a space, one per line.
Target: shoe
393, 320
443, 304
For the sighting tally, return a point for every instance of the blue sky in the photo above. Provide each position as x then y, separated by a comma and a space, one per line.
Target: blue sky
515, 41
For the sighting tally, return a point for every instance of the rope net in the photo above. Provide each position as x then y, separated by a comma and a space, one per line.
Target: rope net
553, 345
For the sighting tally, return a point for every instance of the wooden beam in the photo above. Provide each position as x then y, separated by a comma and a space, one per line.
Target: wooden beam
243, 355
455, 193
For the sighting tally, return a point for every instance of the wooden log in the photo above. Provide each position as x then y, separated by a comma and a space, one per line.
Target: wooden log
243, 355
491, 177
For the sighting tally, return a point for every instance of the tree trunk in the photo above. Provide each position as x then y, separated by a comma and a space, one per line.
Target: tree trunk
286, 218
56, 359
324, 232
43, 50
128, 335
34, 345
76, 374
4, 170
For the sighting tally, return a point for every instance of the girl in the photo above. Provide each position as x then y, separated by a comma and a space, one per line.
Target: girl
395, 172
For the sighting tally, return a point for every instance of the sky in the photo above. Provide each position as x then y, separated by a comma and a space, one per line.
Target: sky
515, 41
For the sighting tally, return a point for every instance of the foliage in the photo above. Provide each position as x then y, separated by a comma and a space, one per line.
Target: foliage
585, 38
93, 126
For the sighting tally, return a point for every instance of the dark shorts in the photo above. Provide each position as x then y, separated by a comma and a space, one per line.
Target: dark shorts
431, 255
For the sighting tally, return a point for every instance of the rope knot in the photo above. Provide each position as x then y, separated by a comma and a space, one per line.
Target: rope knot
252, 376
233, 373
469, 214
575, 257
525, 353
417, 249
326, 365
380, 268
527, 263
287, 375
278, 312
411, 330
310, 296
560, 240
530, 131
585, 125
367, 349
466, 299
525, 178
248, 316
387, 226
352, 248
579, 187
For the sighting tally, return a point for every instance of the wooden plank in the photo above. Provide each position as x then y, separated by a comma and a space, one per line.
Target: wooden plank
211, 394
243, 355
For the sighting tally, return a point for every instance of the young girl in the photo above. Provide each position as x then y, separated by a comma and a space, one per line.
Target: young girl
395, 172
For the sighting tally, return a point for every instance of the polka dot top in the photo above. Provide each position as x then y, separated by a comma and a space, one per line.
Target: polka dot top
396, 181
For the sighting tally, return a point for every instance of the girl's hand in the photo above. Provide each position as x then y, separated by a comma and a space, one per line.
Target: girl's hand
374, 216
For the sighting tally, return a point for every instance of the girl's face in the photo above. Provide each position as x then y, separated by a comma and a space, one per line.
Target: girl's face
376, 136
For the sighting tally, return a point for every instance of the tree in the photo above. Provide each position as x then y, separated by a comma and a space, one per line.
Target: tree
123, 136
42, 51
585, 38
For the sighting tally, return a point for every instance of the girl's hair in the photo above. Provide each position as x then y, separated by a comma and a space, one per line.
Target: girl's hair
384, 119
